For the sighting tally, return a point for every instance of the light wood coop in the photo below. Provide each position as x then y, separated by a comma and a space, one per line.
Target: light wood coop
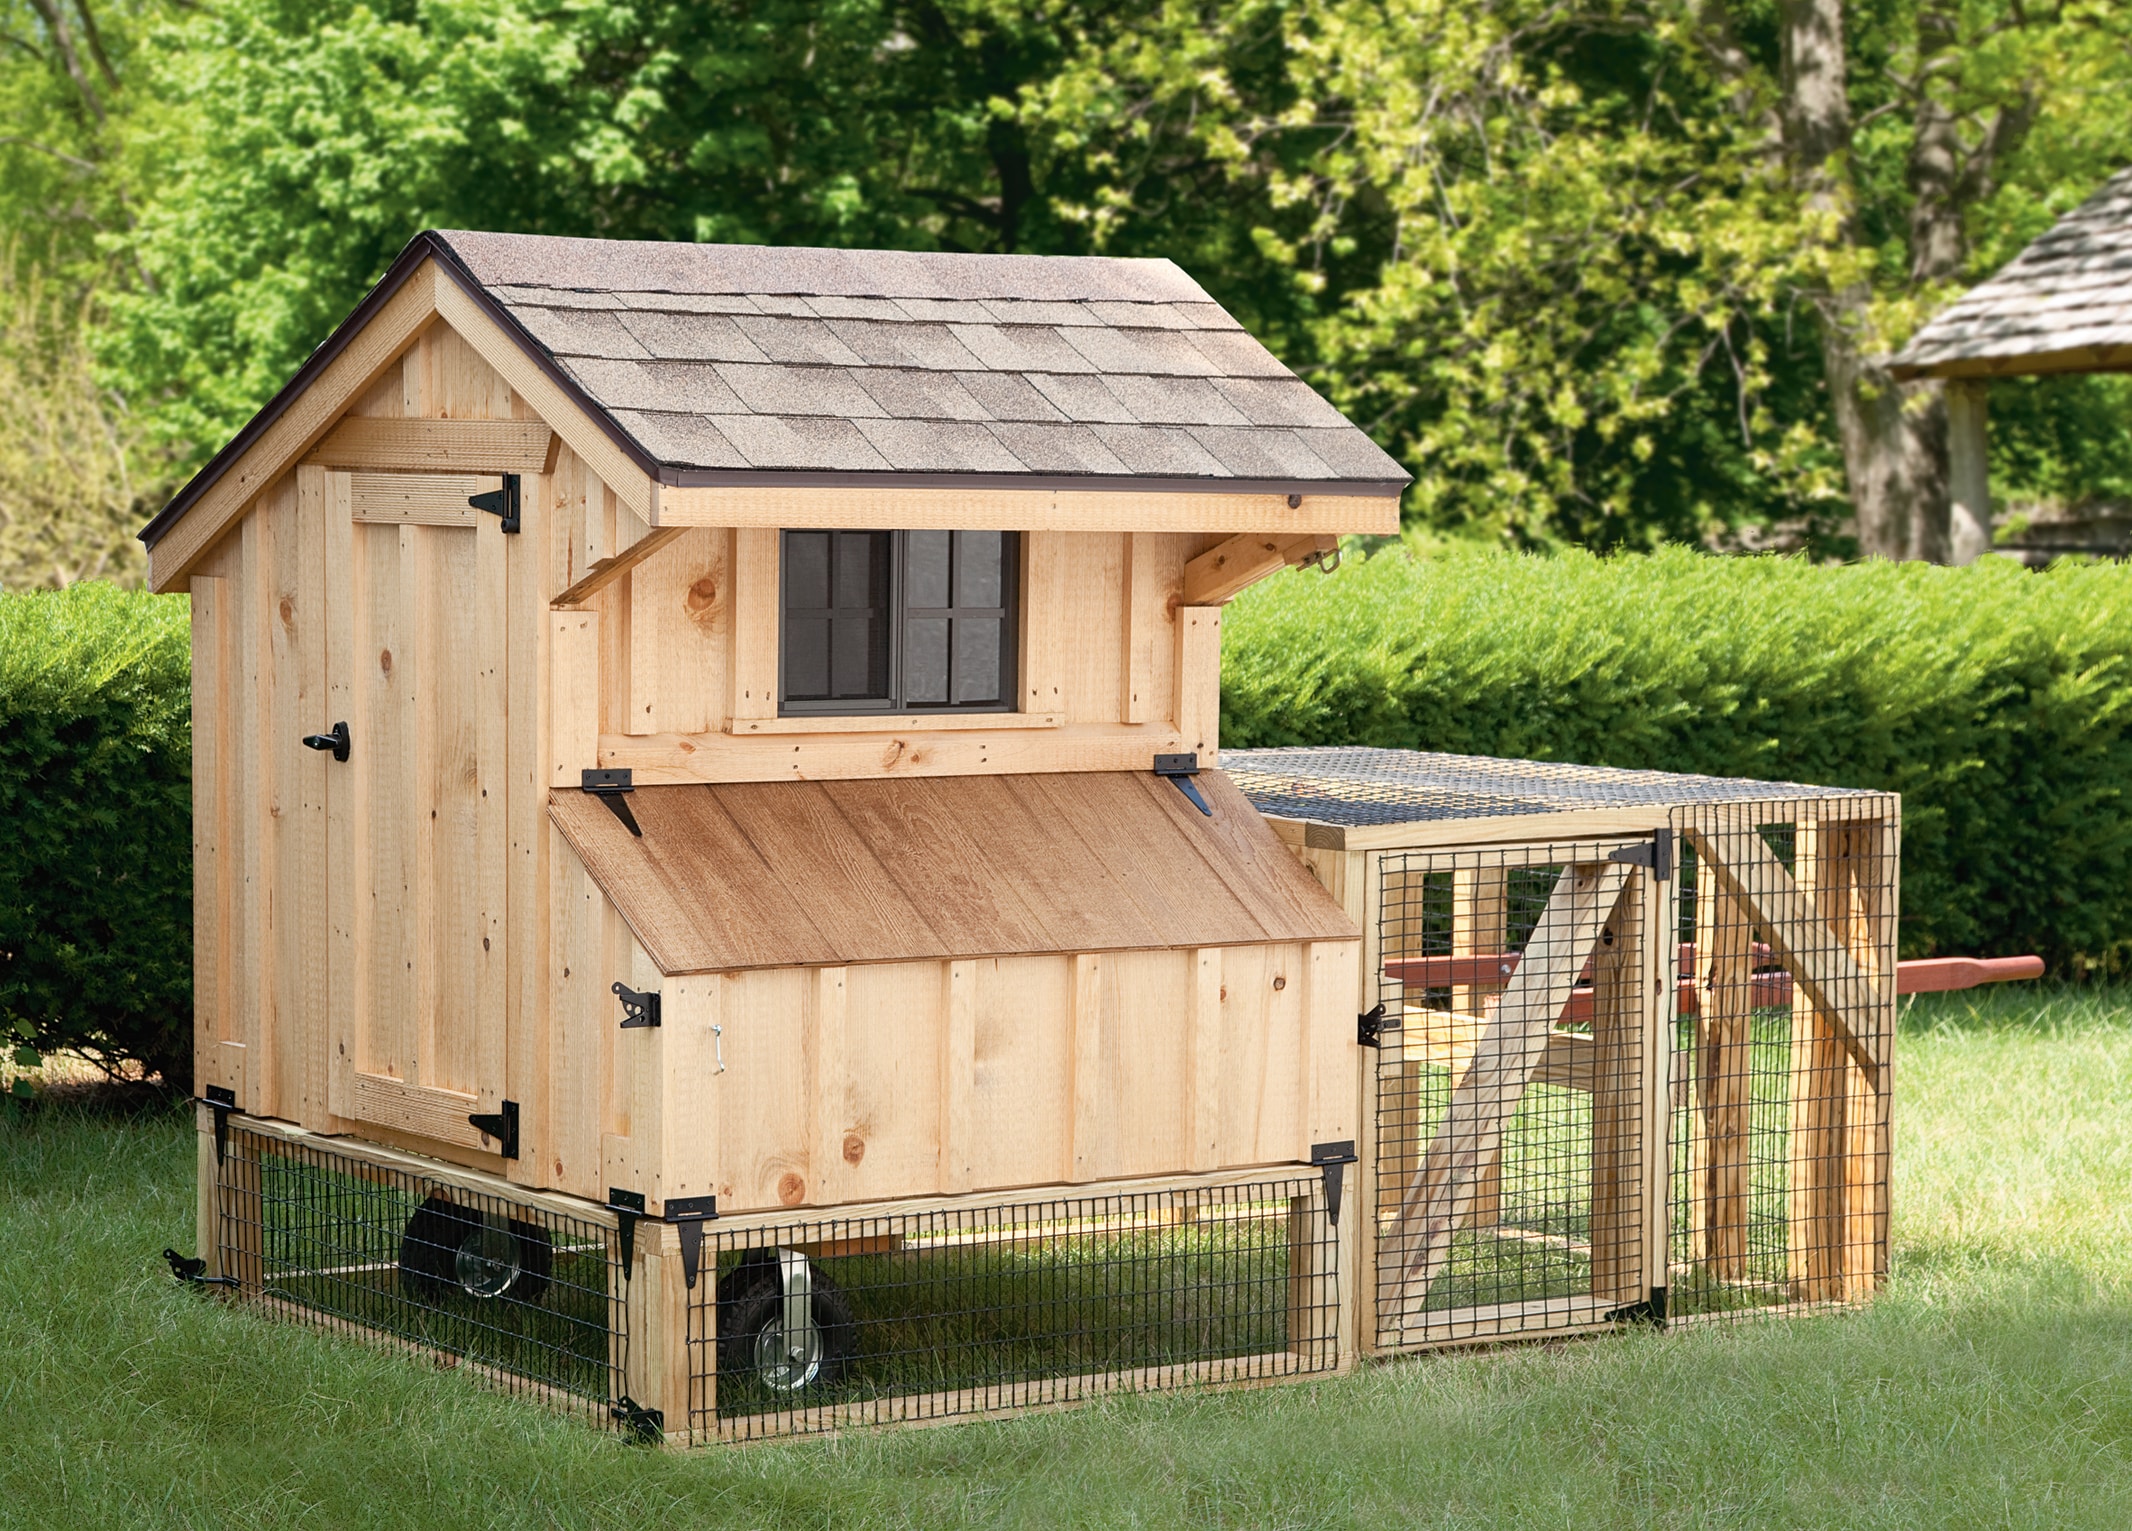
1633, 1057
701, 875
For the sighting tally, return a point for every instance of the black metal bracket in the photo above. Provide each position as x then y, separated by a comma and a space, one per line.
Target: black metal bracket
1651, 1311
1657, 855
501, 502
688, 1214
610, 787
638, 1009
193, 1272
627, 1207
647, 1425
502, 1125
334, 739
1370, 1026
1180, 769
221, 1100
1333, 1159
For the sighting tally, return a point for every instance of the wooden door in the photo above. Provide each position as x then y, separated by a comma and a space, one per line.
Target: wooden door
416, 828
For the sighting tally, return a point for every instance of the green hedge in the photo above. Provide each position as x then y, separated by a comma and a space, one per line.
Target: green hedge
1996, 700
96, 849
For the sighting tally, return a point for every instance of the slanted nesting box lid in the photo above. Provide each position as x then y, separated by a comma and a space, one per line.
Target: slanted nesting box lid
796, 874
738, 366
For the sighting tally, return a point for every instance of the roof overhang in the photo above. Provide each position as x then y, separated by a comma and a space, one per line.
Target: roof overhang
2104, 358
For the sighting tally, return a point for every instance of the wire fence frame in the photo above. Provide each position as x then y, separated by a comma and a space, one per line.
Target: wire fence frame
963, 1312
528, 1300
1782, 1046
1512, 1140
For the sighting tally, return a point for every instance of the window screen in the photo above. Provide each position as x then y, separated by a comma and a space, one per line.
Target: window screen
918, 621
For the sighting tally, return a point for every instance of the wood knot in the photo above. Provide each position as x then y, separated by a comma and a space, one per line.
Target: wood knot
854, 1148
288, 614
791, 1190
385, 660
1280, 982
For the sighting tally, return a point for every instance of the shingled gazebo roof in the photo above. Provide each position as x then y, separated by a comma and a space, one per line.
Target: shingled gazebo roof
2064, 304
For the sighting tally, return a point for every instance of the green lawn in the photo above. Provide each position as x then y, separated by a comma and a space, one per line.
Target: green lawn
1990, 1386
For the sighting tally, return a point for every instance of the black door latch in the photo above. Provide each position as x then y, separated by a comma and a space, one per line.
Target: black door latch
334, 739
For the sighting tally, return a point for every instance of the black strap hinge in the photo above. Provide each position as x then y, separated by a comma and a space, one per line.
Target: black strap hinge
1333, 1159
647, 1425
193, 1272
628, 1208
610, 787
1370, 1026
501, 1124
501, 502
221, 1100
688, 1214
1180, 769
638, 1009
1656, 853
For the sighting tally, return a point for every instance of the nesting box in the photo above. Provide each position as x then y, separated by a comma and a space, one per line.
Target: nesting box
1630, 1032
691, 741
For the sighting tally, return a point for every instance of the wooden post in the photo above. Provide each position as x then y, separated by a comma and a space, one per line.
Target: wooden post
1616, 1230
1309, 1293
1820, 1096
1480, 908
1968, 472
660, 1374
1724, 1104
207, 1201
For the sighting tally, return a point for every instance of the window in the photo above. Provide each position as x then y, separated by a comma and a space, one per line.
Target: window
898, 622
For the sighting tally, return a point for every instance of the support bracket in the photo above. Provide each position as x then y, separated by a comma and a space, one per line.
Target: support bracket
1333, 1159
1652, 1311
193, 1272
645, 1425
688, 1214
501, 1124
638, 1008
1657, 854
501, 502
1180, 769
222, 1100
610, 787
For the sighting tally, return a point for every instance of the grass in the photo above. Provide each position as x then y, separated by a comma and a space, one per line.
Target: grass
1990, 1386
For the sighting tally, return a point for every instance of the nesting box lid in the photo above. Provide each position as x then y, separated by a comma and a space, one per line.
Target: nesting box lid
792, 874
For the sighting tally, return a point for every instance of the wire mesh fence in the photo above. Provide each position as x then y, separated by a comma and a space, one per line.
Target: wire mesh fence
1510, 1123
942, 1314
1779, 1115
530, 1300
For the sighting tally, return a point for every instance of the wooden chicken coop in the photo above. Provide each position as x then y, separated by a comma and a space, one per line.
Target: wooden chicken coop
715, 899
1631, 1035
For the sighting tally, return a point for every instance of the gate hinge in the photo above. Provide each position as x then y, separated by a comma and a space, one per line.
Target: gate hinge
1657, 854
194, 1271
221, 1100
1651, 1310
638, 1009
1333, 1159
647, 1425
627, 1207
1180, 769
688, 1214
1370, 1026
502, 1125
501, 502
610, 787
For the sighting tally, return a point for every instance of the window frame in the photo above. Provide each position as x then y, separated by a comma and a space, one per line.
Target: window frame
894, 705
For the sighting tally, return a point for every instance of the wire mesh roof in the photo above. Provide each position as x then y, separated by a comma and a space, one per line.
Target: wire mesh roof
1354, 787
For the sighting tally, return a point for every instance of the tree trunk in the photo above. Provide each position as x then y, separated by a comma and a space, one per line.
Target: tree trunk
1894, 437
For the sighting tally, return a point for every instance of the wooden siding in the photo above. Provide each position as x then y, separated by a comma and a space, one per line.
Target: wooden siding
795, 874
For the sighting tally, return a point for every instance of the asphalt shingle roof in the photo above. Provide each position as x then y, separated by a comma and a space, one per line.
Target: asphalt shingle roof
727, 362
2067, 297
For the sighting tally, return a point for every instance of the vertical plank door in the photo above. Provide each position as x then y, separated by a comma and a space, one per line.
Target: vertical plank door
416, 827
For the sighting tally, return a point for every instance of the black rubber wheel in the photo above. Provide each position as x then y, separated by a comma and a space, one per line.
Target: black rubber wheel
454, 1251
751, 1326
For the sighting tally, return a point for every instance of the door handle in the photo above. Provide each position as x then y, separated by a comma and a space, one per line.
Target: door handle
336, 741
